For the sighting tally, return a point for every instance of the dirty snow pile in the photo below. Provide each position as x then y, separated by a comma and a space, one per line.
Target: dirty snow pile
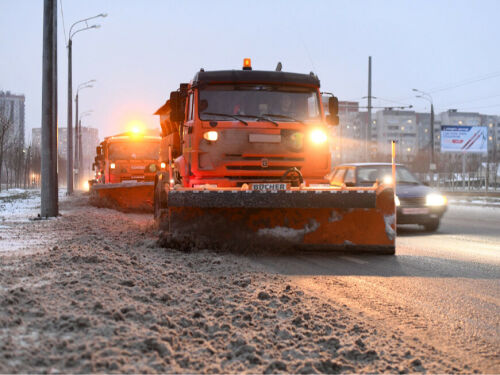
99, 295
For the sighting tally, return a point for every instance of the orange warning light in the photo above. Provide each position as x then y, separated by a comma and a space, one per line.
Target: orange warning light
247, 64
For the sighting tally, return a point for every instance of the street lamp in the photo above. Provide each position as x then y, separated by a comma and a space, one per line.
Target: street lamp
81, 86
70, 96
428, 97
79, 155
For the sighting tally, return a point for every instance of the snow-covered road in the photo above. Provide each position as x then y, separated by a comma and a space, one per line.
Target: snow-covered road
91, 291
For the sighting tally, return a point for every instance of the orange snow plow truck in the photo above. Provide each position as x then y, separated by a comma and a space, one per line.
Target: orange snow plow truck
125, 168
247, 155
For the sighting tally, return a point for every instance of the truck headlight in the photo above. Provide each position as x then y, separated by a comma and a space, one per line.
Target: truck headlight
318, 136
112, 165
434, 199
211, 136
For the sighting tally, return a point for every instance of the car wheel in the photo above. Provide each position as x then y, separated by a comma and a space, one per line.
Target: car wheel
431, 226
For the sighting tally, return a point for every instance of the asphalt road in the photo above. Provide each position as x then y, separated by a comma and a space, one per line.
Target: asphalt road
441, 289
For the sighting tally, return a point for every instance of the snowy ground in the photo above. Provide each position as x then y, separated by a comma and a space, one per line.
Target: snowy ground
91, 291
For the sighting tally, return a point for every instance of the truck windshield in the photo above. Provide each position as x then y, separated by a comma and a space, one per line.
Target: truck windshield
283, 103
134, 151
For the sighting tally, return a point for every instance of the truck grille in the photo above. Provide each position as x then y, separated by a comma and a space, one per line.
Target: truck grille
257, 168
268, 157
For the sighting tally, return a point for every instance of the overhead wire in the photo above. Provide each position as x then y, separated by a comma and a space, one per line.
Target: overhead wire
465, 82
64, 26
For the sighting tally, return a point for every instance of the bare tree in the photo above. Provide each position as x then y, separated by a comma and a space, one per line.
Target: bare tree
5, 126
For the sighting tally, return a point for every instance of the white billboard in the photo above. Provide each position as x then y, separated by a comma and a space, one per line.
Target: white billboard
459, 138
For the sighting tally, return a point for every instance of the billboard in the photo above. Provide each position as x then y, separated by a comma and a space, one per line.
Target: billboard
459, 138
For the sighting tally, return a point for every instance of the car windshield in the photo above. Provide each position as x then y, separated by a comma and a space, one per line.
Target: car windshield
369, 174
134, 151
269, 102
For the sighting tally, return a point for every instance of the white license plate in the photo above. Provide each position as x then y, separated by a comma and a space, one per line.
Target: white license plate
137, 167
415, 211
269, 187
138, 177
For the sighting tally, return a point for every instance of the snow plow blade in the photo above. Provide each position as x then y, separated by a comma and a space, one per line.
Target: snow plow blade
123, 196
327, 219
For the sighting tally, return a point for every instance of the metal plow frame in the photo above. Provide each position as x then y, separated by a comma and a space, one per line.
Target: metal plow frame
325, 219
124, 196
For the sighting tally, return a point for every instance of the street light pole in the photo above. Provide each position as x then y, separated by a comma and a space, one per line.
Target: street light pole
82, 86
69, 137
78, 151
428, 97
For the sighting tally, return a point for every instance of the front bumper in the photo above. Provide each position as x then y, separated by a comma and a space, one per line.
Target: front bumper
419, 215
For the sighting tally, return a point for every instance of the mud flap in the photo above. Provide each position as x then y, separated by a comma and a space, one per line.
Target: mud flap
125, 197
306, 219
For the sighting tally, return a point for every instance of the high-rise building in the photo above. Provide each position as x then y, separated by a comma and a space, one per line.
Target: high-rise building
400, 126
12, 110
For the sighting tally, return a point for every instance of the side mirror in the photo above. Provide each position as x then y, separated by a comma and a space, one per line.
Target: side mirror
177, 107
333, 108
93, 166
98, 150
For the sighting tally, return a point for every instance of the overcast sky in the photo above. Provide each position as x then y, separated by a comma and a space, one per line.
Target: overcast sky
145, 48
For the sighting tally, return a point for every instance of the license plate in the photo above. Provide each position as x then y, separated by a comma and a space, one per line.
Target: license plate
269, 187
139, 177
137, 167
415, 211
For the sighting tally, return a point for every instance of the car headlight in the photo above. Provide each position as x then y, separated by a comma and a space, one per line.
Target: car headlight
396, 201
318, 136
435, 200
211, 136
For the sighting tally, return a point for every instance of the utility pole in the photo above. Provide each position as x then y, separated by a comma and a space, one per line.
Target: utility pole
432, 165
49, 195
368, 126
76, 141
69, 140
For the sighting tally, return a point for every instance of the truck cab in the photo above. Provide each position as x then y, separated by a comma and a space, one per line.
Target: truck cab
234, 127
127, 157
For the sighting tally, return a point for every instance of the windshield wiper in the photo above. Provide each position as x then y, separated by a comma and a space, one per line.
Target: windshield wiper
284, 116
262, 118
225, 115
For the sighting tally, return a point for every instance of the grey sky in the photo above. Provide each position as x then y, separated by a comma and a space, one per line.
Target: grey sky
144, 49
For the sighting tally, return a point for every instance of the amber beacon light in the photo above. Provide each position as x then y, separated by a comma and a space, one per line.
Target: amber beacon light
247, 64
